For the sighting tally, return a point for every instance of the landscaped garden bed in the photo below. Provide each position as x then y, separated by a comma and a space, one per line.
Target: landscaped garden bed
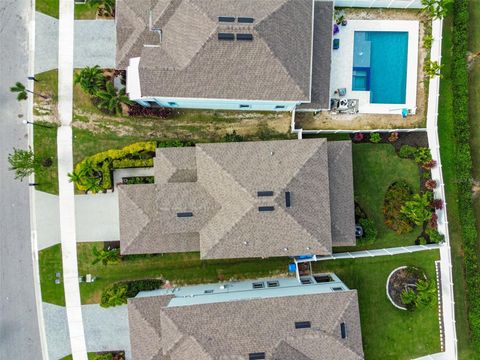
401, 283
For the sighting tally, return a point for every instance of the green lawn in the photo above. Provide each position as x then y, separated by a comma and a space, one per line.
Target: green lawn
50, 7
375, 168
182, 268
389, 333
50, 262
447, 151
45, 146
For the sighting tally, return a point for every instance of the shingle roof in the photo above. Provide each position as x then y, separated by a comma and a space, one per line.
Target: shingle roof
236, 328
276, 65
342, 206
322, 55
222, 195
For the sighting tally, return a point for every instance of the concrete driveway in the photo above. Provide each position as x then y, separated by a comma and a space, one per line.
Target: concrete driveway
105, 329
96, 218
94, 43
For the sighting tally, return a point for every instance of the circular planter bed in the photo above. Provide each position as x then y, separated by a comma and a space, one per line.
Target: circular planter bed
399, 279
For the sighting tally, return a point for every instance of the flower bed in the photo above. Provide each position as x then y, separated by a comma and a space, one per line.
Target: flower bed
401, 279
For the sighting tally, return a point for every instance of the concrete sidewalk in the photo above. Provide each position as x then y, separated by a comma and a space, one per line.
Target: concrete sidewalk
105, 329
94, 43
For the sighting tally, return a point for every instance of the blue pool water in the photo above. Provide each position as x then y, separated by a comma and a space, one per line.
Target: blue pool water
380, 65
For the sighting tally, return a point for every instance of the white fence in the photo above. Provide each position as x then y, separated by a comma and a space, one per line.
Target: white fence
394, 4
380, 252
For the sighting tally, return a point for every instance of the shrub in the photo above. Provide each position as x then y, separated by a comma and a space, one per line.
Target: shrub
106, 256
428, 165
423, 296
433, 221
408, 297
434, 235
358, 136
407, 151
369, 231
417, 209
421, 240
375, 138
138, 180
108, 356
427, 41
114, 295
393, 137
422, 155
437, 204
233, 137
396, 196
142, 111
131, 163
430, 184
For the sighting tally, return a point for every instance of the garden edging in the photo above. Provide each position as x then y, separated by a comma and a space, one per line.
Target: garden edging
386, 286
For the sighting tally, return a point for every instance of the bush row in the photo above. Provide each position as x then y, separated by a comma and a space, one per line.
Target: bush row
99, 166
463, 164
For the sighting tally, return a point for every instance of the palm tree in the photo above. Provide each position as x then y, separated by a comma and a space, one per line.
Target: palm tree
105, 256
90, 79
92, 185
408, 297
436, 9
426, 292
22, 91
107, 5
111, 100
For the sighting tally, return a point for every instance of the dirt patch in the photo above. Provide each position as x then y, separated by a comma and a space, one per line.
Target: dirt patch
403, 279
326, 120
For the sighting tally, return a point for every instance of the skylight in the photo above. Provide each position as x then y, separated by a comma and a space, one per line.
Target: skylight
226, 18
245, 20
226, 36
303, 324
264, 193
256, 356
184, 214
266, 208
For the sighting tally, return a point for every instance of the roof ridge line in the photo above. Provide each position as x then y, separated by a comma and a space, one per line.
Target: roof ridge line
199, 148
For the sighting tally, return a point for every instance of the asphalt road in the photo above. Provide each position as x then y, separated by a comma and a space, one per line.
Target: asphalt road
19, 331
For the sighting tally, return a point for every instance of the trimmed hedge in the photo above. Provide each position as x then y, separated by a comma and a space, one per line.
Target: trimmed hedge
139, 154
463, 164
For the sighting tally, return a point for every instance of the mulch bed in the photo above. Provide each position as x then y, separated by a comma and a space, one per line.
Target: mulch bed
399, 281
418, 139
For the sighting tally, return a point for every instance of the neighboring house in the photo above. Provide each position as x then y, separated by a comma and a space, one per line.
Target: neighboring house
243, 199
264, 319
226, 54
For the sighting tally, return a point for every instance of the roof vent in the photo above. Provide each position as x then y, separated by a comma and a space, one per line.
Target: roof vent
256, 356
184, 214
245, 37
264, 193
303, 324
245, 20
288, 202
226, 18
266, 208
343, 330
226, 36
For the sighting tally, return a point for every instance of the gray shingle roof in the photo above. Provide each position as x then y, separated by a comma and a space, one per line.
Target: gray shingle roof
236, 328
342, 206
190, 61
322, 55
218, 183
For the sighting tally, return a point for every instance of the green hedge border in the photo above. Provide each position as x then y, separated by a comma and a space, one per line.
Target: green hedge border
463, 165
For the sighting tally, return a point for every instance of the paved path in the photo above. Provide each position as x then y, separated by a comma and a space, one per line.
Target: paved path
94, 43
19, 327
66, 195
105, 329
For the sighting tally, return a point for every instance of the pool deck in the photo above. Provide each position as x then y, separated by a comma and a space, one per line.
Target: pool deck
342, 64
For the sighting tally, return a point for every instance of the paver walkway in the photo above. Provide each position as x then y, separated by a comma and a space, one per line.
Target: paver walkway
94, 43
105, 329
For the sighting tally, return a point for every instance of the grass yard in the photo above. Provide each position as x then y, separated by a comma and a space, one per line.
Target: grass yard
50, 262
389, 333
375, 168
45, 146
466, 351
181, 268
50, 7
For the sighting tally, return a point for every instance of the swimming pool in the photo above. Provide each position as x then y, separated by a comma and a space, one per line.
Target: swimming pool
380, 65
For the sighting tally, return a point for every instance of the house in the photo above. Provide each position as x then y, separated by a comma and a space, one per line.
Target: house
243, 199
226, 54
264, 319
